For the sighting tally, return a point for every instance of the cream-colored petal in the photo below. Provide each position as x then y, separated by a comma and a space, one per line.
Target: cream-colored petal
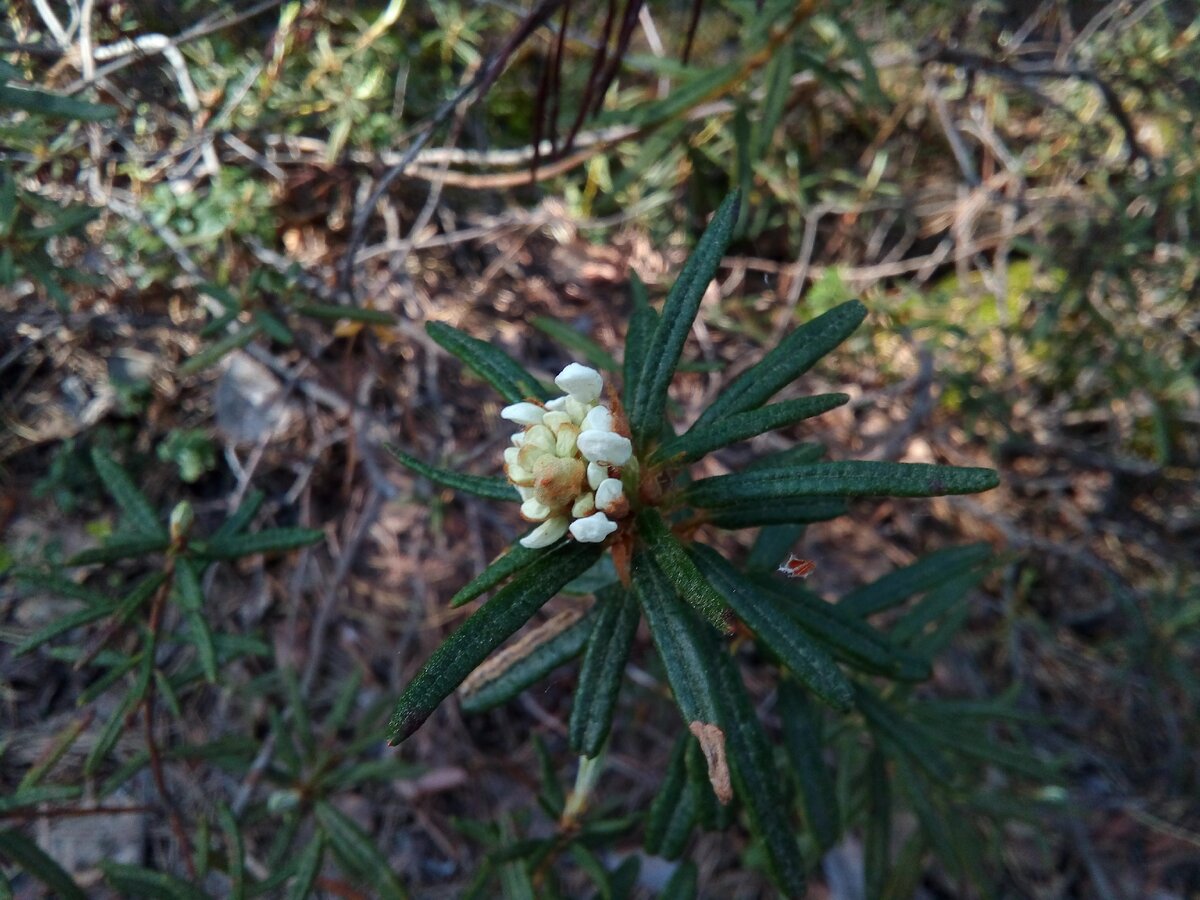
540, 436
567, 436
523, 413
557, 404
546, 533
585, 505
596, 473
534, 510
604, 446
582, 383
556, 420
592, 529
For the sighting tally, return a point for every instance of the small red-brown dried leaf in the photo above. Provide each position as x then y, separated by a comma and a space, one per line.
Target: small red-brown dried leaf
712, 744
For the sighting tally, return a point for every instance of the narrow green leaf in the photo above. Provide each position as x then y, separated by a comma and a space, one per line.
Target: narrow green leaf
25, 797
308, 869
187, 586
908, 869
952, 845
358, 853
643, 322
679, 568
120, 547
489, 487
242, 516
116, 670
756, 780
683, 884
603, 670
273, 328
533, 667
25, 853
691, 91
781, 633
218, 324
62, 625
931, 607
926, 573
490, 363
878, 837
552, 796
221, 294
201, 638
273, 540
332, 313
484, 631
666, 345
48, 758
511, 561
673, 811
54, 106
673, 626
801, 454
115, 727
849, 639
696, 442
805, 749
131, 500
60, 586
778, 512
901, 735
235, 852
791, 358
772, 546
855, 478
135, 881
218, 350
568, 337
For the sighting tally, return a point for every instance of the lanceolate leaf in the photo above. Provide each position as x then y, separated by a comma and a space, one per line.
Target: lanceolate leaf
490, 363
679, 311
136, 881
603, 670
358, 853
927, 572
782, 634
931, 607
54, 106
511, 561
64, 624
274, 540
799, 455
643, 322
756, 779
568, 337
901, 736
855, 478
877, 845
120, 547
802, 740
779, 512
740, 426
791, 358
532, 667
672, 814
484, 631
490, 487
122, 489
848, 639
679, 568
20, 850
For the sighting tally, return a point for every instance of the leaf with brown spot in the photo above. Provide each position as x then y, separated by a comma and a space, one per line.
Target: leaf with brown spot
712, 743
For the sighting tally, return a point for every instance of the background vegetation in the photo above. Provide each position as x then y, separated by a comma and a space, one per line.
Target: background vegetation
222, 227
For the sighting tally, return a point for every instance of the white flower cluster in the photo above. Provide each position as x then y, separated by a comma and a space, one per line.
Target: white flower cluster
562, 462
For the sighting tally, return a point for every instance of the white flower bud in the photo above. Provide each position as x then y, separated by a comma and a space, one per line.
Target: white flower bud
523, 413
604, 446
546, 533
596, 473
535, 510
558, 404
592, 529
582, 383
597, 419
609, 492
585, 505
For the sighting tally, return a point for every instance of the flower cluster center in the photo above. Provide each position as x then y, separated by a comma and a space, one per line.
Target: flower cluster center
565, 462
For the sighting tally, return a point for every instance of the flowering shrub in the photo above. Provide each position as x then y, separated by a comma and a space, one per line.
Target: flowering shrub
610, 479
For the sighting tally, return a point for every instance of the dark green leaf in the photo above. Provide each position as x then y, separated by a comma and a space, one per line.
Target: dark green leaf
772, 546
849, 639
62, 625
740, 426
756, 780
877, 841
201, 638
603, 670
568, 337
683, 884
643, 322
273, 540
533, 666
781, 633
511, 561
691, 91
855, 478
60, 587
114, 674
484, 631
927, 572
791, 358
235, 852
357, 852
901, 735
551, 794
25, 797
673, 812
666, 344
242, 517
25, 853
805, 750
801, 454
187, 586
218, 350
120, 547
679, 568
490, 487
122, 489
54, 106
491, 364
308, 869
135, 881
778, 512
115, 727
931, 607
331, 312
